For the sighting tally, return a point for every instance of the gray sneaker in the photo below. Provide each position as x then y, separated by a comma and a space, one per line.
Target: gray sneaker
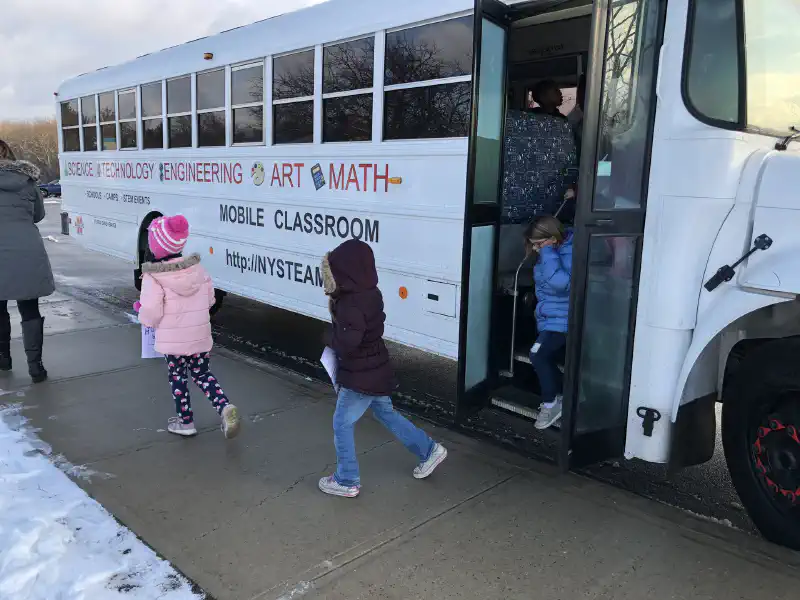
425, 468
178, 427
549, 416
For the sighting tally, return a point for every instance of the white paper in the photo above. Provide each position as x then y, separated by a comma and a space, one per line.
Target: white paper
149, 343
330, 362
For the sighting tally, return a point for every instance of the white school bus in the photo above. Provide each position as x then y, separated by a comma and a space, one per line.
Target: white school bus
409, 126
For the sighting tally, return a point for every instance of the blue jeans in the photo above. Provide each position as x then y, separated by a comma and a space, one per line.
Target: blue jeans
350, 407
551, 346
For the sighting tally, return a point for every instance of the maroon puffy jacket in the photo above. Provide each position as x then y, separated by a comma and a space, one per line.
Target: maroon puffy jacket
358, 318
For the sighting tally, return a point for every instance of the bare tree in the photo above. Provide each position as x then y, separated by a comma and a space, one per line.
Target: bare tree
621, 51
35, 141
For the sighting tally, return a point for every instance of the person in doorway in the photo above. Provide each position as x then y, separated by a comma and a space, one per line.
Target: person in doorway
25, 273
552, 243
364, 373
575, 116
575, 119
176, 296
547, 94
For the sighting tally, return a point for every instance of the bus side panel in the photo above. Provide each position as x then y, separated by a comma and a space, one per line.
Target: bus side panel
263, 224
97, 222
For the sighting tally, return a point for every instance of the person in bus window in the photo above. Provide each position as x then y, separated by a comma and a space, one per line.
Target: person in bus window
364, 377
548, 96
552, 243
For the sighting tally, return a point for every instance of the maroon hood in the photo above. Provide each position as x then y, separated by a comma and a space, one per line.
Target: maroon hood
353, 267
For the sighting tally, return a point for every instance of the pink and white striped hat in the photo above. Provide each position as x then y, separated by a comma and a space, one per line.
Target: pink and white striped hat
167, 235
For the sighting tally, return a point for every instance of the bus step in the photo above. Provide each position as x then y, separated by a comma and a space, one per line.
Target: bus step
522, 411
514, 400
523, 357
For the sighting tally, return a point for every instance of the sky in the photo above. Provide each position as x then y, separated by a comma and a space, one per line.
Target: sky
44, 42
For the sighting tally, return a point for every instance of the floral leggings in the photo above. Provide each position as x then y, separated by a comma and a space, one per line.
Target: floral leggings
195, 366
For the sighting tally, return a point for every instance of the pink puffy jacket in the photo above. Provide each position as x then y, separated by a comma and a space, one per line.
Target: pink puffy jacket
176, 295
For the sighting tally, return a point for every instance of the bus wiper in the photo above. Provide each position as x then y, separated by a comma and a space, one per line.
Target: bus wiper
783, 144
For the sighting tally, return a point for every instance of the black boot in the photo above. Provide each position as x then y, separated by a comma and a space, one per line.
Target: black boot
33, 338
5, 342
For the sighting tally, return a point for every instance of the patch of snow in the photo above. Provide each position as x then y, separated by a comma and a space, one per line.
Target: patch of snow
298, 591
56, 542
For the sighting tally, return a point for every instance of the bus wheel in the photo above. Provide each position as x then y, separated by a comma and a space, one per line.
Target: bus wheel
761, 437
219, 297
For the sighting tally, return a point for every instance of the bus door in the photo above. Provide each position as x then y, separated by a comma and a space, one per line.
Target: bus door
483, 202
617, 130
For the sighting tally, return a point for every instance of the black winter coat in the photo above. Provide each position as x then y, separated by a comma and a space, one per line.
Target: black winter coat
25, 271
358, 318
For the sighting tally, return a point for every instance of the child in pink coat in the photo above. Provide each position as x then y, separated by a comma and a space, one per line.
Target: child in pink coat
176, 296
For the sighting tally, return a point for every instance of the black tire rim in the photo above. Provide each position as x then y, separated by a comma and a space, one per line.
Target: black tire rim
775, 454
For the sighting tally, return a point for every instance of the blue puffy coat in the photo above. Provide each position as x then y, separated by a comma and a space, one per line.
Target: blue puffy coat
551, 275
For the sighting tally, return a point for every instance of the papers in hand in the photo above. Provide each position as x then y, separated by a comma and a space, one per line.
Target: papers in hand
149, 343
329, 361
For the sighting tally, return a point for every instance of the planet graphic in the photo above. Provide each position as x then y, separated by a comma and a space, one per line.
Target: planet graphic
257, 173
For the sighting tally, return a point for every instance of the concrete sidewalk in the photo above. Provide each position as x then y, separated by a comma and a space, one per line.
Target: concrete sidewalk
244, 518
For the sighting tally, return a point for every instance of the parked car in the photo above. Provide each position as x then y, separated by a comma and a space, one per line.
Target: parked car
51, 189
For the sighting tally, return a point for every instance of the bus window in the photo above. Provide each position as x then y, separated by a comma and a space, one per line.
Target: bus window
772, 50
69, 126
293, 98
179, 112
441, 54
108, 122
348, 67
211, 108
89, 122
152, 123
127, 119
627, 100
711, 74
247, 97
713, 70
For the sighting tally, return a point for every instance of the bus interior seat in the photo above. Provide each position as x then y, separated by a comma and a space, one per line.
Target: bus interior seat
539, 163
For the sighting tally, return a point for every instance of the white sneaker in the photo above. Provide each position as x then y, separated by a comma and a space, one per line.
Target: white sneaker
329, 485
178, 427
427, 467
230, 421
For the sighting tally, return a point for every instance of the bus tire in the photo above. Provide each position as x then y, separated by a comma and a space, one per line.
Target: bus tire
760, 433
219, 297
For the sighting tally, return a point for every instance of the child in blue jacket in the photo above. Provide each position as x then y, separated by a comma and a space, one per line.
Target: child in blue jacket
552, 271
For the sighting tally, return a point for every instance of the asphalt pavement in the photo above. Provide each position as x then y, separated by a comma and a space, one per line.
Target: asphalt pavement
243, 518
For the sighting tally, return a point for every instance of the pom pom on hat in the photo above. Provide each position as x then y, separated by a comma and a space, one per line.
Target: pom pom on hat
168, 235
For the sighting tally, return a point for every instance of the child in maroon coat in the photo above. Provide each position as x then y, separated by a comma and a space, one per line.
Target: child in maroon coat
364, 376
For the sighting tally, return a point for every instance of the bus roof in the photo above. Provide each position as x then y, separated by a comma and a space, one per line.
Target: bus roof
329, 21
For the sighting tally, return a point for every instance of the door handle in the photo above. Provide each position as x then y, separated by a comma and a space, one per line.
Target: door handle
604, 222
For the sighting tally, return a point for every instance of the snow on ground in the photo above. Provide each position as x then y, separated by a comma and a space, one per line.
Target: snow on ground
56, 543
